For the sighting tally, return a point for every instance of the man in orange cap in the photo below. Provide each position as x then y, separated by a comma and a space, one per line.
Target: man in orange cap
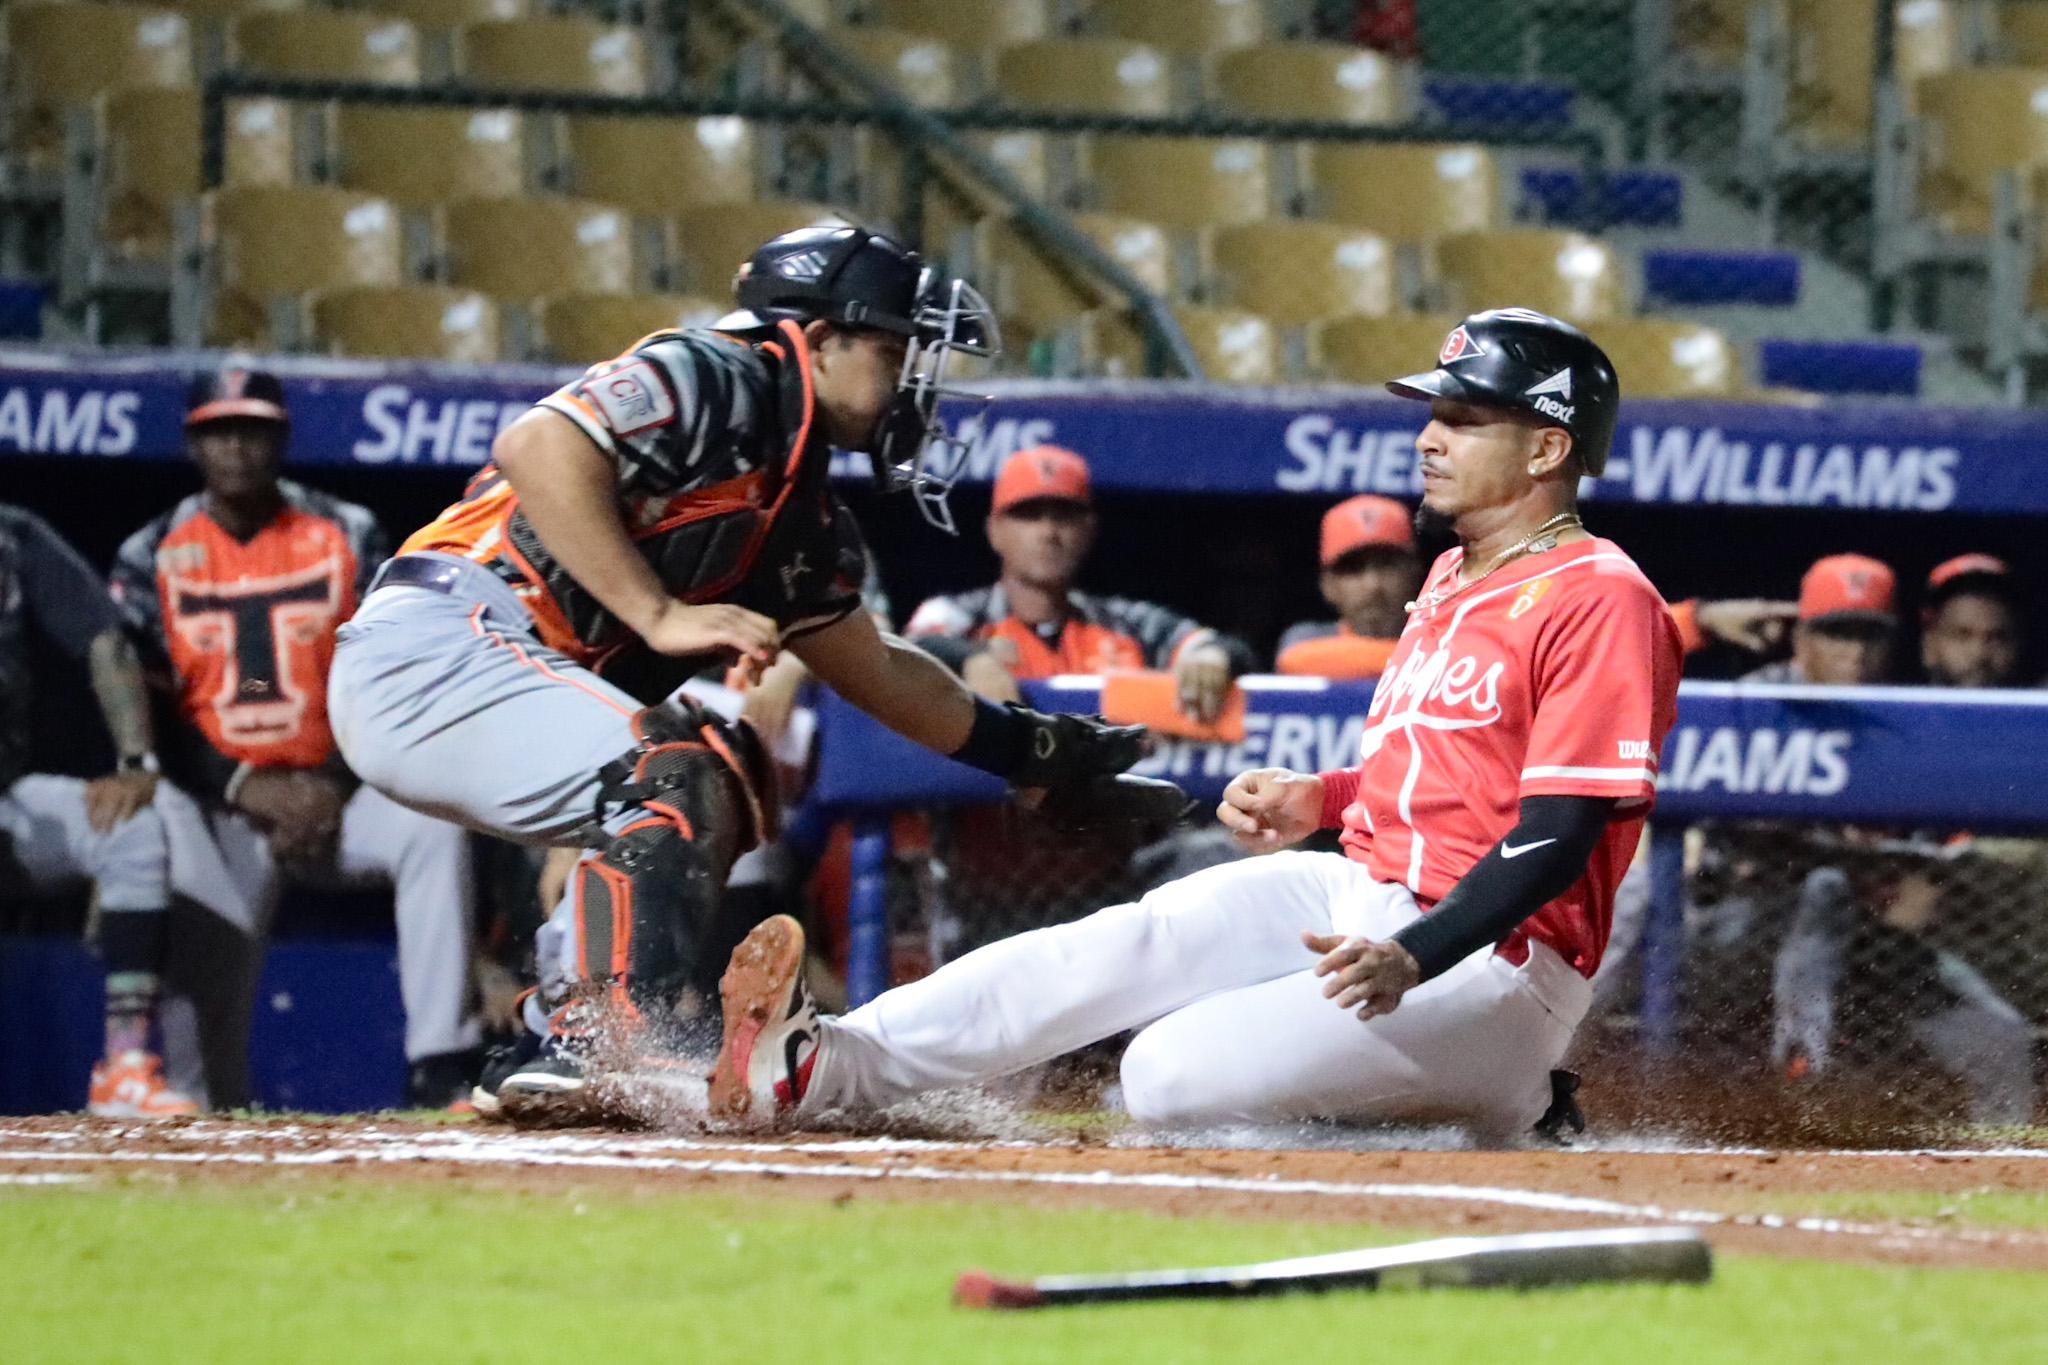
1033, 623
1847, 621
1969, 629
1370, 572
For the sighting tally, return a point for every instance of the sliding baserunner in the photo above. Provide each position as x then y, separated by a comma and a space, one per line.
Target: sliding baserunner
1437, 968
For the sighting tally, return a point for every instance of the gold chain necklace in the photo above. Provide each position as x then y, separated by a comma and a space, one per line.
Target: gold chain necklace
1536, 542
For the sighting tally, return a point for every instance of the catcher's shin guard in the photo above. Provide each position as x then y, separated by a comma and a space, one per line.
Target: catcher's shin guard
644, 905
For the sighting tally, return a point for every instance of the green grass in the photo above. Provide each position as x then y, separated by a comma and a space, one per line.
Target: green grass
306, 1268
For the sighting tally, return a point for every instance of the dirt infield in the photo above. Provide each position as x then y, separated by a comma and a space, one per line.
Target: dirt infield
1757, 1202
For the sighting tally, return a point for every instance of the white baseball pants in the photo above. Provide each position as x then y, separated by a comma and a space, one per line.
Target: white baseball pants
1235, 1026
44, 819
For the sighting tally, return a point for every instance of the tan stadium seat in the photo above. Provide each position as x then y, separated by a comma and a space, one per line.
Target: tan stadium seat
1411, 192
1235, 347
423, 321
1374, 350
65, 54
1027, 286
583, 329
925, 70
526, 249
1979, 121
1714, 32
1927, 39
1183, 182
268, 242
219, 11
1295, 271
967, 23
418, 157
1025, 155
1565, 274
150, 161
569, 55
2022, 33
1099, 75
716, 239
1659, 358
661, 165
1834, 55
1189, 26
1330, 81
328, 45
442, 15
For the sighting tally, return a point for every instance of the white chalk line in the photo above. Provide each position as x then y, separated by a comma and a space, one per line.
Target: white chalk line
466, 1149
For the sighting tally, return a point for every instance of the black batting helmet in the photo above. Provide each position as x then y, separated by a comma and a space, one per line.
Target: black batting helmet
1531, 362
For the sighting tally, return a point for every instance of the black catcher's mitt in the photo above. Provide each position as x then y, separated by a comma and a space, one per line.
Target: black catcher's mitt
1139, 808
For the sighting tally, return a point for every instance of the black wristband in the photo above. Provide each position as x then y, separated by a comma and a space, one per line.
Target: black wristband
999, 741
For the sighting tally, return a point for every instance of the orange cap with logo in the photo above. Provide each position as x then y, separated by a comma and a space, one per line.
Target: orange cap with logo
1847, 585
1367, 519
1041, 472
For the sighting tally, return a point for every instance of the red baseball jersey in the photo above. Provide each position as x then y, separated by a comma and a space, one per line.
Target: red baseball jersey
1556, 676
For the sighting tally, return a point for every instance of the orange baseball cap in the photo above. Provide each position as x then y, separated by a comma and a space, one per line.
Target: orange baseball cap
1847, 585
1041, 472
1962, 566
1367, 519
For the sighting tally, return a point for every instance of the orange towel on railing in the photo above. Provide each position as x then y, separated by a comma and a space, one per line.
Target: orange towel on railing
1151, 697
1345, 657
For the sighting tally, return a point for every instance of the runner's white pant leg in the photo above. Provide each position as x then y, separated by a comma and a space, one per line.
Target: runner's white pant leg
427, 863
1475, 1045
450, 710
1023, 1000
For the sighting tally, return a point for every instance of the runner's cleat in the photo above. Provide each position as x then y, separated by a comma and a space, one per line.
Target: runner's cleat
771, 1027
131, 1086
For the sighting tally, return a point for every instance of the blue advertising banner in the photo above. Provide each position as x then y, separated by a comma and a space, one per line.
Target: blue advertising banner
1154, 435
1891, 755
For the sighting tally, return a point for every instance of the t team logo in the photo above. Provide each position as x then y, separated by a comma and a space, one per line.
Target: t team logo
1457, 346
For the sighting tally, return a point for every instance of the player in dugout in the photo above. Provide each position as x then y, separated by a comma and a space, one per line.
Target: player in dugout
1370, 573
233, 596
1969, 623
514, 667
1846, 628
56, 830
1435, 970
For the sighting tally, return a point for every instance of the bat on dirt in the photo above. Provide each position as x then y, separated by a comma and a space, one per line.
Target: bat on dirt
1531, 1260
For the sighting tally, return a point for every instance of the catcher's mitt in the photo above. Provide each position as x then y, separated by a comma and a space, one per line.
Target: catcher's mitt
1141, 808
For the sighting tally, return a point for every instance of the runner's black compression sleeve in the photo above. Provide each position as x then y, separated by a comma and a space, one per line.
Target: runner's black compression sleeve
1538, 861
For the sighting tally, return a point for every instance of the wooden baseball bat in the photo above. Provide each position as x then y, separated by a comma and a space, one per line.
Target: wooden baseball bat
1530, 1260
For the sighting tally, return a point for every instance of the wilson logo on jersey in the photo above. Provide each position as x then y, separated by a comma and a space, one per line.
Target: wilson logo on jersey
1531, 593
260, 636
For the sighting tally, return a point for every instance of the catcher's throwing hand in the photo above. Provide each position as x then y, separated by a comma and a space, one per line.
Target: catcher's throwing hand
1372, 976
1270, 808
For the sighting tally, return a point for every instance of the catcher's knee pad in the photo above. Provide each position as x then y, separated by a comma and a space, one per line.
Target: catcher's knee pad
689, 756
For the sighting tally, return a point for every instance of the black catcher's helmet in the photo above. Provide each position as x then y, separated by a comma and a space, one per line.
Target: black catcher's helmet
855, 278
1531, 362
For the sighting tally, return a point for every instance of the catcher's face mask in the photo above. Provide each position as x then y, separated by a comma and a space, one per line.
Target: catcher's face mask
912, 449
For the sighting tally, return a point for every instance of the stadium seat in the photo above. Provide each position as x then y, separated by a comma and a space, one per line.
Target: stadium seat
525, 249
272, 241
1927, 39
328, 45
1024, 286
443, 15
1657, 358
1490, 100
1834, 44
1374, 350
220, 11
1980, 121
1565, 274
1183, 26
1705, 277
925, 70
427, 322
1099, 75
566, 55
662, 165
1331, 81
1555, 196
1872, 366
1183, 182
2022, 33
1026, 155
150, 161
417, 157
1294, 271
582, 329
65, 54
1410, 192
973, 24
1715, 33
1235, 347
714, 240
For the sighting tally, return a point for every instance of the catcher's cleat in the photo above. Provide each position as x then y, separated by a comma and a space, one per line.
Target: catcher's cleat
131, 1086
771, 1027
501, 1063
